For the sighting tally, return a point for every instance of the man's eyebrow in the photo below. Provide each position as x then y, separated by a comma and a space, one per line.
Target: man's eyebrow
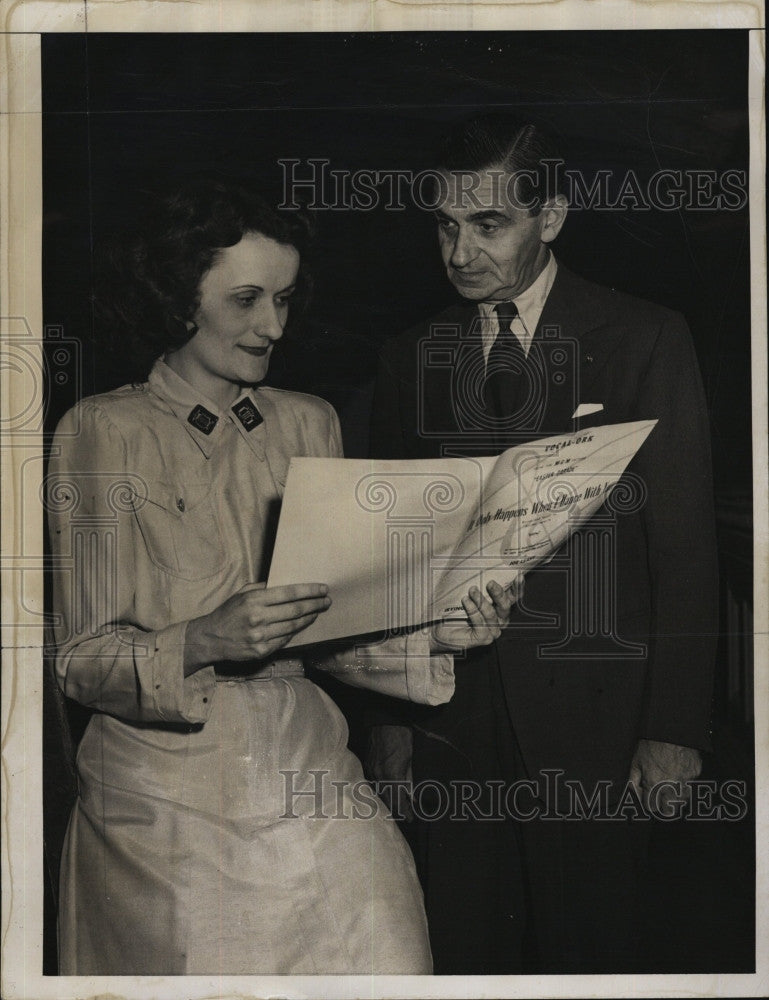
490, 213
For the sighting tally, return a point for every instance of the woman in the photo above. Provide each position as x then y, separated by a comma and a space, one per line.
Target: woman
208, 836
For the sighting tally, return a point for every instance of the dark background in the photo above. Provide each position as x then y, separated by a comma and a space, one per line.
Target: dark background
124, 113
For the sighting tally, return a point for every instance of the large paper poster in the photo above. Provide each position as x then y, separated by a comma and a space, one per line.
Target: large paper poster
400, 543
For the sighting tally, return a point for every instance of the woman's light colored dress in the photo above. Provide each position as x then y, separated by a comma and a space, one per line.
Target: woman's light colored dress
191, 848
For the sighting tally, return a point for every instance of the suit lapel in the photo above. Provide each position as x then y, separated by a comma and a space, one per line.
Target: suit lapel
447, 361
574, 345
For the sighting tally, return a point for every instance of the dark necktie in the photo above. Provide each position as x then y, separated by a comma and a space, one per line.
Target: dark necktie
505, 367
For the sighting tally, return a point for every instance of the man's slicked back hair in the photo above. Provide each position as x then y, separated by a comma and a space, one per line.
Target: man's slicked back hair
500, 140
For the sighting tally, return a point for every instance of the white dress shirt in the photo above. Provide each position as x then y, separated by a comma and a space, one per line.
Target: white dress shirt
529, 303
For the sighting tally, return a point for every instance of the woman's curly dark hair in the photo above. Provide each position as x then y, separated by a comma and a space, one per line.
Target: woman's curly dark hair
151, 277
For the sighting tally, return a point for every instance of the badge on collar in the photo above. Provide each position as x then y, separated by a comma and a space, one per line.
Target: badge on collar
202, 419
247, 413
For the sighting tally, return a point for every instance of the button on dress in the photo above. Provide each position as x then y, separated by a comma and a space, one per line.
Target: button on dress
222, 826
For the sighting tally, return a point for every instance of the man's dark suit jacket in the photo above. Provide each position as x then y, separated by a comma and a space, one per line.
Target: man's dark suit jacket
584, 713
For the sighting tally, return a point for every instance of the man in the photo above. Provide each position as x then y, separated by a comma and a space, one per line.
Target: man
601, 682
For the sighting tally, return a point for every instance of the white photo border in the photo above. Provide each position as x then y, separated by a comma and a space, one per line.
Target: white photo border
22, 591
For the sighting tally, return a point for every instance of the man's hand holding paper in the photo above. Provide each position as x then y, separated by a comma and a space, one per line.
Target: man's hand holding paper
484, 622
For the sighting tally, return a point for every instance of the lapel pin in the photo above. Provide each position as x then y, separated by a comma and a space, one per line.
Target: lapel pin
247, 413
202, 419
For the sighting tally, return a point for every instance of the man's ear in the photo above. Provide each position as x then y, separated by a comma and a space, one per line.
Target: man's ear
553, 216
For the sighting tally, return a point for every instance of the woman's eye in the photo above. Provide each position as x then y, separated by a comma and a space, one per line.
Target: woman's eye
283, 300
246, 300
